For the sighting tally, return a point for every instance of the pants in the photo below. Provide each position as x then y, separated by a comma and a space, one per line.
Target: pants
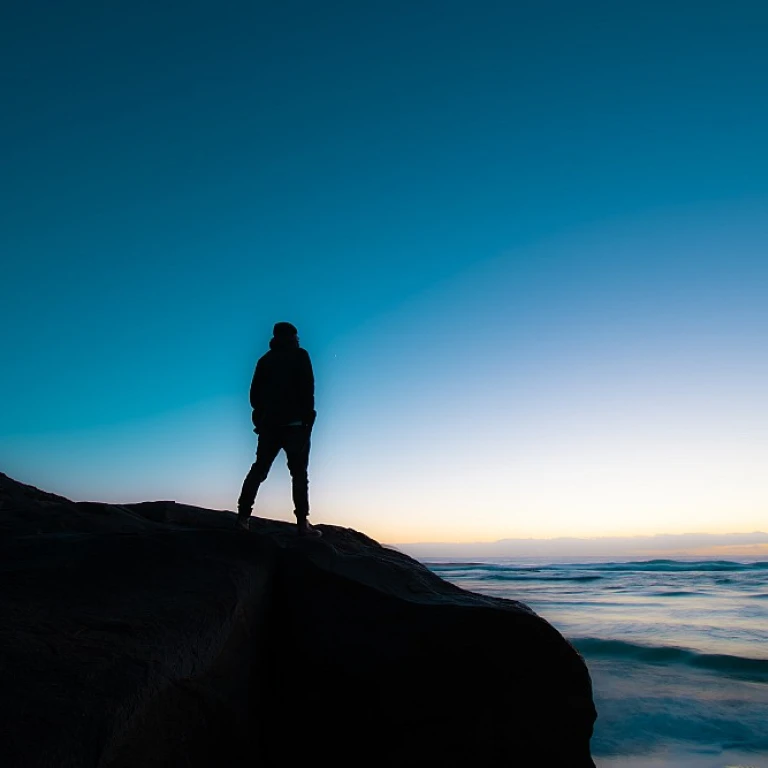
295, 442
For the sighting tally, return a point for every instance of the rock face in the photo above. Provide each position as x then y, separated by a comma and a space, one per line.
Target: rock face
155, 634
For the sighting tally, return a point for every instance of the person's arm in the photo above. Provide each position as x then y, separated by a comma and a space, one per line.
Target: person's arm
307, 384
255, 395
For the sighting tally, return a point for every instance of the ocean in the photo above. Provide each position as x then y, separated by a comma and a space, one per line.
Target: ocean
677, 651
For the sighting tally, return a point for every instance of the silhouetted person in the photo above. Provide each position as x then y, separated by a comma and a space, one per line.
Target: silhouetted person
283, 402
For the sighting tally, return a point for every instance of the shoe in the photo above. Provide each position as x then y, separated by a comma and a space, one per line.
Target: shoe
242, 523
303, 528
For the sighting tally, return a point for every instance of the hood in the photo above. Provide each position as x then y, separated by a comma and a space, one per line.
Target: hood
283, 342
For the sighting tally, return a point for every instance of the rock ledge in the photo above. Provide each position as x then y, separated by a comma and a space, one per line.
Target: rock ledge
155, 634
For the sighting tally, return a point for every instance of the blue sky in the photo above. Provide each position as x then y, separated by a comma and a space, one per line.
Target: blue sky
525, 245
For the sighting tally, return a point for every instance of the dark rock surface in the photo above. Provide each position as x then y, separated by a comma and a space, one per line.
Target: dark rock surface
155, 634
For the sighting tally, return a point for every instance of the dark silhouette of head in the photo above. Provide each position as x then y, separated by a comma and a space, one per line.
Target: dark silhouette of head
284, 330
285, 335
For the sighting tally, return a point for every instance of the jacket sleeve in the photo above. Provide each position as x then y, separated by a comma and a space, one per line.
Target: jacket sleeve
256, 395
307, 393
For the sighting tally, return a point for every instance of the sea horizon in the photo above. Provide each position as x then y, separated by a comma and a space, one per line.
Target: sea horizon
751, 544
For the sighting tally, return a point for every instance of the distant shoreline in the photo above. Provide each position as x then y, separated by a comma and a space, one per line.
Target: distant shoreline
685, 545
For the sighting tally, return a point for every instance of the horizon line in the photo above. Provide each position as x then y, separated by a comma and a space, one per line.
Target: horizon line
632, 537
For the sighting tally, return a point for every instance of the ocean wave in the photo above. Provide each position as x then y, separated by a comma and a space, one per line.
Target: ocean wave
652, 566
493, 572
740, 667
666, 566
451, 565
485, 567
512, 576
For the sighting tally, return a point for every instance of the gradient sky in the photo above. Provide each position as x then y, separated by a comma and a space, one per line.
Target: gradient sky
526, 245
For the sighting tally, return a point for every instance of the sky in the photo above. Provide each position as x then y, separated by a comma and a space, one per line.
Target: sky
525, 244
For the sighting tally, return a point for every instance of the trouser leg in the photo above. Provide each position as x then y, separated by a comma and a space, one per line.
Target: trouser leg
266, 451
297, 444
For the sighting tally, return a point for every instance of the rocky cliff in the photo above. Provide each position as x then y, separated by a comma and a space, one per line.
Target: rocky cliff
156, 635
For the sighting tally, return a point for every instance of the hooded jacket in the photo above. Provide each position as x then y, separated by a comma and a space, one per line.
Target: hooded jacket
283, 386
